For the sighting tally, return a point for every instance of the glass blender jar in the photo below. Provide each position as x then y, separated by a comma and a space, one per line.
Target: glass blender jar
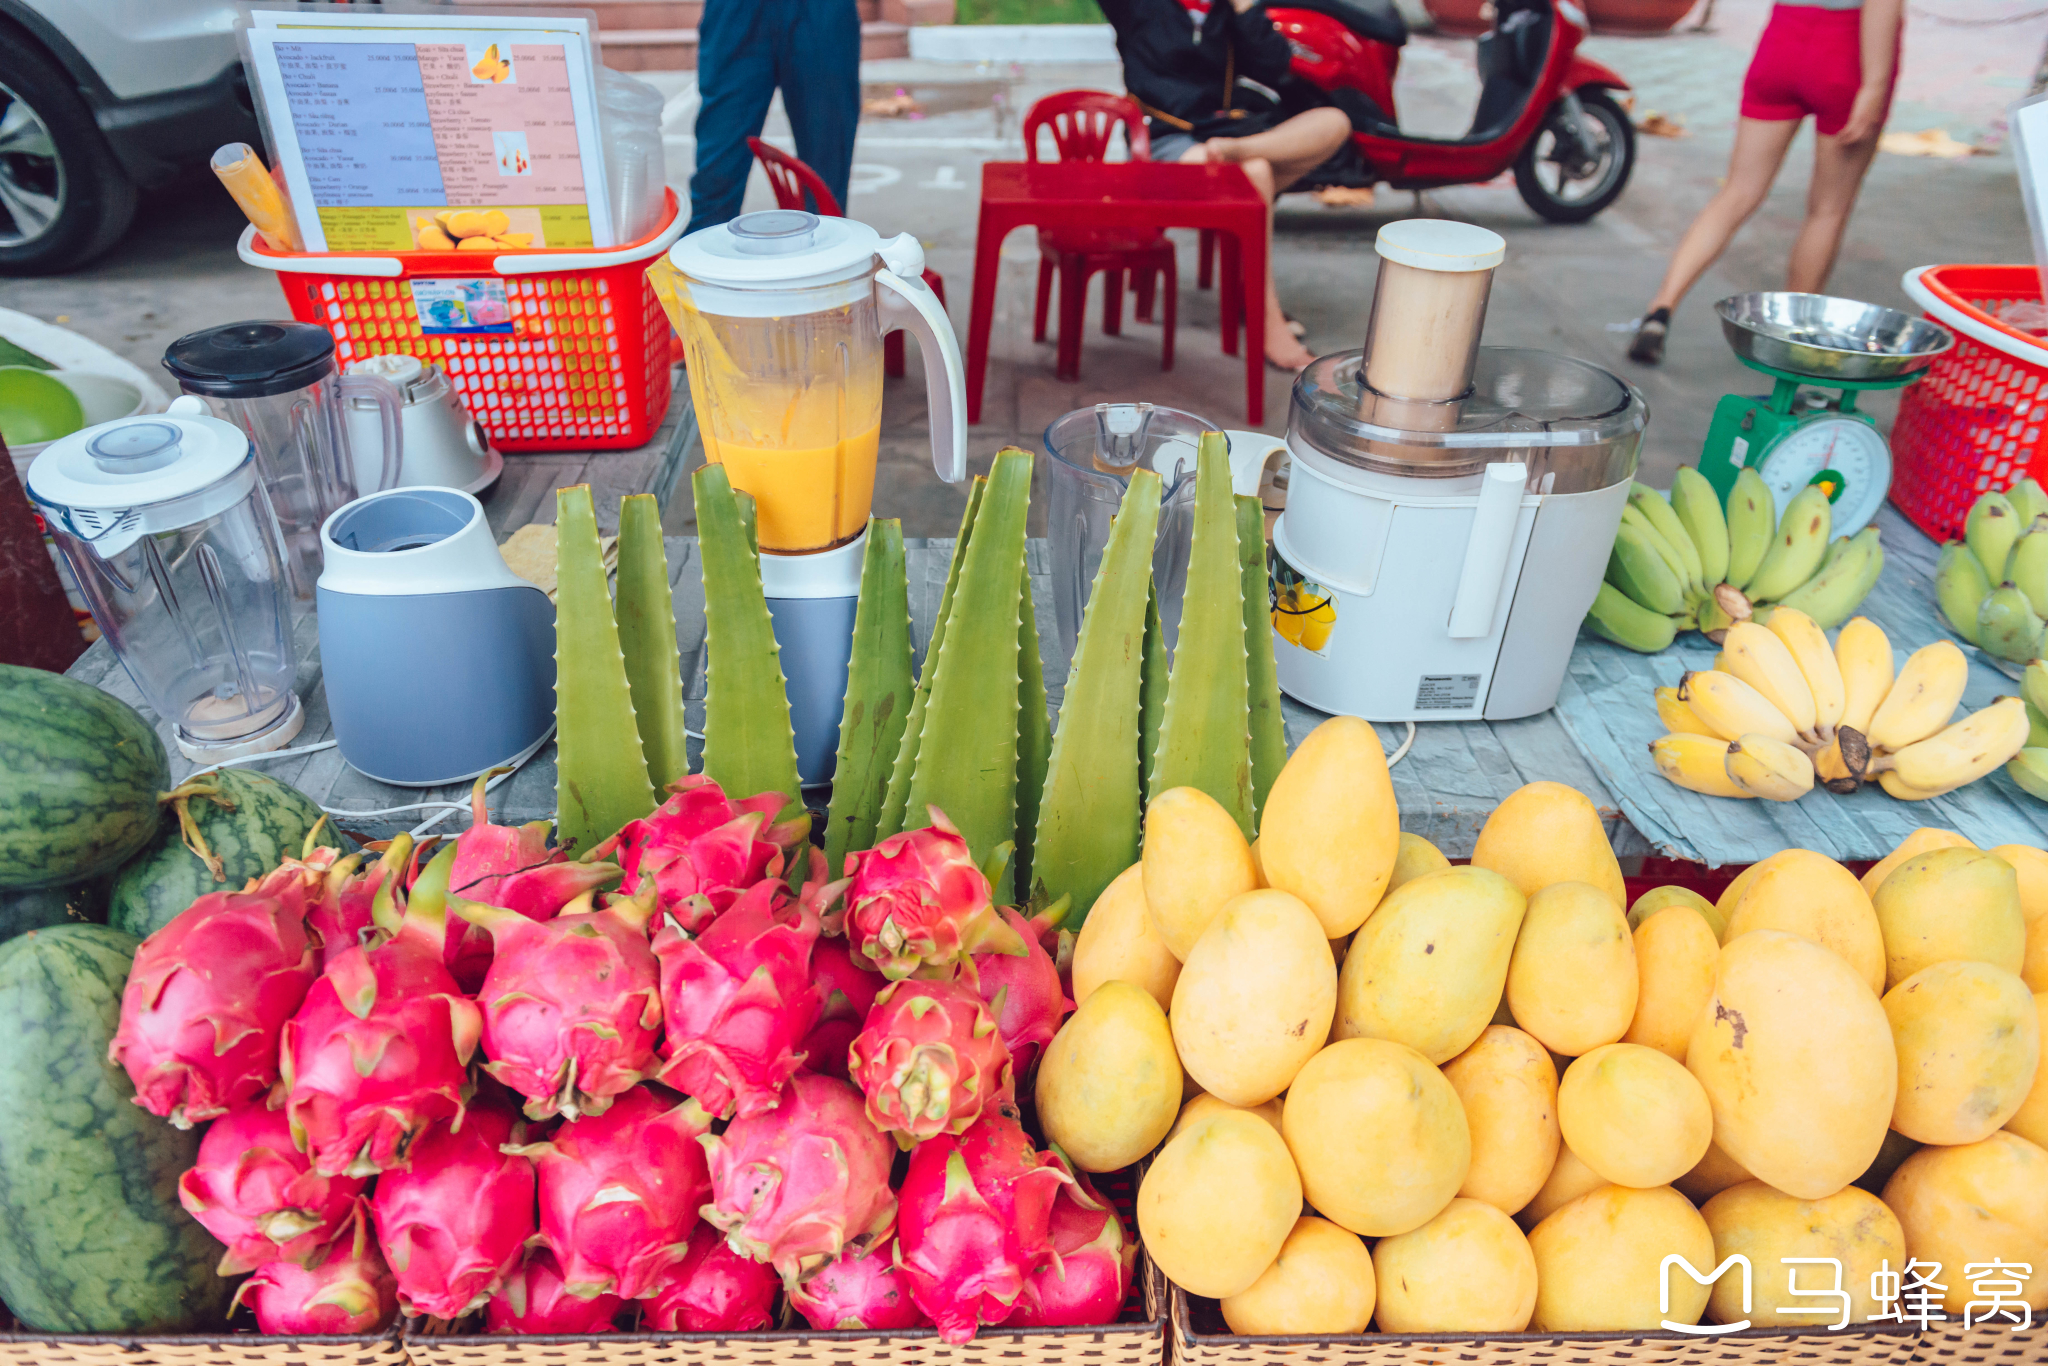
170, 534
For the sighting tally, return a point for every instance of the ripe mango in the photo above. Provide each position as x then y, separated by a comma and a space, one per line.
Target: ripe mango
1947, 905
1321, 1283
1330, 830
1921, 841
1469, 1270
1897, 1148
1202, 1103
1712, 1174
1657, 898
1572, 979
1119, 943
2030, 1121
1378, 1136
1417, 858
1675, 952
495, 222
467, 223
475, 244
1600, 1262
2030, 865
1255, 998
1109, 1084
1814, 897
1766, 1226
1569, 1179
1969, 1045
1428, 968
1195, 859
1975, 1203
1218, 1202
1508, 1087
1545, 833
1635, 1116
1796, 1058
430, 238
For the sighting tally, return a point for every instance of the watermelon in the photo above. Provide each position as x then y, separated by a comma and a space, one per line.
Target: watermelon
39, 908
261, 822
92, 1238
80, 772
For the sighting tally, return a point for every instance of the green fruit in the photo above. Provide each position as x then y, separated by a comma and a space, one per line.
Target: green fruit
2028, 567
1635, 567
2029, 768
2008, 626
2028, 499
1699, 508
1632, 516
1661, 516
1752, 517
1960, 586
2034, 685
1843, 581
1619, 618
1990, 530
80, 772
39, 908
92, 1238
2037, 725
1797, 549
250, 823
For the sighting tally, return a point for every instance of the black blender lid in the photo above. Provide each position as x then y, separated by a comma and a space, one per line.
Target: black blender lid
251, 360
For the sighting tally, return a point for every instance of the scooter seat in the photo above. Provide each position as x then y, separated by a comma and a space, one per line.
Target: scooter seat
1374, 20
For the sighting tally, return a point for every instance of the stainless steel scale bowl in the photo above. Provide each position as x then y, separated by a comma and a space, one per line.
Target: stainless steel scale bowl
1829, 338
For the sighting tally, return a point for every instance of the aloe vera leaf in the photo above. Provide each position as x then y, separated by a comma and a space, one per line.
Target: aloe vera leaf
1205, 735
879, 686
646, 614
749, 518
1088, 824
1152, 696
1034, 733
967, 755
1262, 676
749, 746
897, 802
600, 775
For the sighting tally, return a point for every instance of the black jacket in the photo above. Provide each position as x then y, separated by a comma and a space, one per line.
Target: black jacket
1175, 68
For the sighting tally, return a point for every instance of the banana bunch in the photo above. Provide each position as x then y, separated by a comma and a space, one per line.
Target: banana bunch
2029, 767
1993, 584
1782, 709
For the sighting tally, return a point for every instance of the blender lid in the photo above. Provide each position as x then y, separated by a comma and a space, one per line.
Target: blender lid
778, 249
132, 462
251, 360
1440, 244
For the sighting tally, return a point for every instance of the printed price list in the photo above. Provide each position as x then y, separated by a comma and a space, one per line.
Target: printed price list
364, 128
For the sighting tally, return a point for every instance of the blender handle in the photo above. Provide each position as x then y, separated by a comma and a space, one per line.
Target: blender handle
1486, 550
390, 406
906, 301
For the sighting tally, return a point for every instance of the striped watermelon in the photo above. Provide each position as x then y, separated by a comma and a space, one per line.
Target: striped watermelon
263, 821
39, 908
80, 772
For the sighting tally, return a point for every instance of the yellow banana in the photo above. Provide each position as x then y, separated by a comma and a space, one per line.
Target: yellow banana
1731, 708
1761, 660
1695, 763
1904, 791
1769, 768
1678, 717
1922, 699
1831, 770
1809, 648
1863, 654
1966, 751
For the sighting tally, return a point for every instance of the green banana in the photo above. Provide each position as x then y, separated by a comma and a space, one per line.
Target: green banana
600, 774
1990, 531
1832, 594
1619, 618
2028, 568
2037, 724
1635, 567
2028, 499
1797, 549
879, 686
2029, 768
1633, 516
1752, 517
2034, 685
2008, 626
1661, 516
1699, 509
1960, 586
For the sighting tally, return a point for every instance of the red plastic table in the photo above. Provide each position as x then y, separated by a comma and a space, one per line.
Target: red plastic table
1129, 194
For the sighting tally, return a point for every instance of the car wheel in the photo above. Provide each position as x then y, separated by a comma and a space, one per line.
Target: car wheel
63, 197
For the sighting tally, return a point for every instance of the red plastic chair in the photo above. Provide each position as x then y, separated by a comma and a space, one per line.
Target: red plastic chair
1082, 124
794, 183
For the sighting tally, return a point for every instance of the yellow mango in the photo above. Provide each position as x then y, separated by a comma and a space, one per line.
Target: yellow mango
1417, 858
514, 239
431, 238
1330, 830
1378, 1136
1657, 898
1428, 968
1796, 1058
1217, 1203
1731, 895
1119, 943
1202, 1103
1675, 952
1469, 1270
1969, 1044
1321, 1283
1600, 1262
467, 223
1508, 1087
1109, 1084
1572, 979
1634, 1116
1545, 833
495, 222
1255, 998
1947, 905
1921, 841
1752, 1220
1710, 1176
2030, 865
1814, 897
2030, 1121
1897, 1148
1569, 1179
475, 244
1194, 860
1258, 864
1976, 1203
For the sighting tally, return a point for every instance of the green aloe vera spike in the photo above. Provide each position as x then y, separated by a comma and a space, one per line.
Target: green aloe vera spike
896, 804
1034, 733
1152, 697
749, 518
1088, 824
748, 744
1262, 677
879, 686
647, 634
967, 754
600, 774
1205, 735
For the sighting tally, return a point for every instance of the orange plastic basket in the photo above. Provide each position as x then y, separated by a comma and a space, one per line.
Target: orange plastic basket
579, 361
1974, 420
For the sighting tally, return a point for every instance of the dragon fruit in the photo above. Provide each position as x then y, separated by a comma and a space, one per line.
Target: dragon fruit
535, 1299
379, 1051
209, 997
620, 1191
455, 1224
256, 1192
976, 1223
916, 900
701, 850
1024, 993
348, 1292
929, 1059
847, 987
713, 1290
571, 1006
738, 1000
857, 1289
796, 1185
1094, 1259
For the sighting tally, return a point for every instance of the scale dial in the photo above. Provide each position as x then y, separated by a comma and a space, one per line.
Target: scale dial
1846, 446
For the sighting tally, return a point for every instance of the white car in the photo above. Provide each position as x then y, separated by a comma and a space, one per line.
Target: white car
99, 98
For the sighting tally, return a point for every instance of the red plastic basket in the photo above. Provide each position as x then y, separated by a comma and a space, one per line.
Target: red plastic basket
1974, 420
584, 365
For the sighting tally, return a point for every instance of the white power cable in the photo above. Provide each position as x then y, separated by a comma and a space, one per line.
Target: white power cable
1398, 755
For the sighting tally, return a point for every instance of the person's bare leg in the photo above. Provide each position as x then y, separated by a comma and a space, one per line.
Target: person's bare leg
1283, 348
1292, 149
1838, 171
1752, 167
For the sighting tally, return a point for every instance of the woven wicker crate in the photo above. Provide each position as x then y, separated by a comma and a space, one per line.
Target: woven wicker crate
1983, 1344
227, 1349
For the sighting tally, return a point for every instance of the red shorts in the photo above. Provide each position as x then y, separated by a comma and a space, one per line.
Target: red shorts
1809, 61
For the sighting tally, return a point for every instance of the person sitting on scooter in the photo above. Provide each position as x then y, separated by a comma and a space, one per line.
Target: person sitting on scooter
1185, 71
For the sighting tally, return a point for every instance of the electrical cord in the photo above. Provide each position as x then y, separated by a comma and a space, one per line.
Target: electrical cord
1398, 755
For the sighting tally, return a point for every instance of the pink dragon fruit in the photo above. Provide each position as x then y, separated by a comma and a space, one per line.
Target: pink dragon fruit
454, 1225
379, 1052
796, 1185
713, 1290
738, 1000
209, 997
338, 911
918, 901
1094, 1258
620, 1191
929, 1059
349, 1292
847, 987
976, 1223
701, 850
1024, 993
256, 1192
859, 1288
535, 1299
571, 1006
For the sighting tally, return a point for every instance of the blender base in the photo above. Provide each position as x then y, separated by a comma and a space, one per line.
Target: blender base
274, 736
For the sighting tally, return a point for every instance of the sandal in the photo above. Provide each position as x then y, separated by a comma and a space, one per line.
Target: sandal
1648, 346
